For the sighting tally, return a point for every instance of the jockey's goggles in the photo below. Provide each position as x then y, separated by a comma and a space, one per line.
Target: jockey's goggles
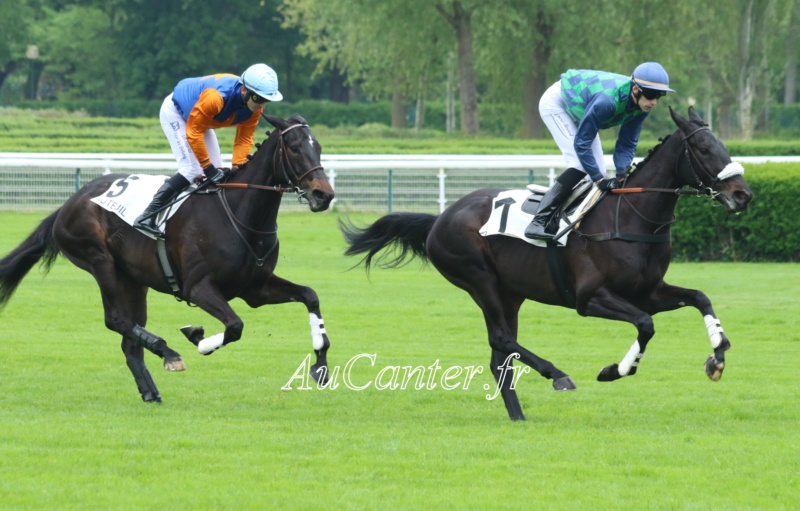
652, 94
255, 98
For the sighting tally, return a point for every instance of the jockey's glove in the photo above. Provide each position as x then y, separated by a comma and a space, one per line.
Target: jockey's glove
213, 174
608, 184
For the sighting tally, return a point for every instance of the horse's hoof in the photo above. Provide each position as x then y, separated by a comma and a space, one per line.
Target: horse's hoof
150, 398
564, 383
194, 334
609, 373
320, 374
174, 364
520, 417
714, 368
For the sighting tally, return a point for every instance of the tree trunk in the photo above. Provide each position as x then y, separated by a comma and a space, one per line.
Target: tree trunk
399, 110
6, 71
790, 84
461, 21
450, 103
419, 120
536, 80
752, 57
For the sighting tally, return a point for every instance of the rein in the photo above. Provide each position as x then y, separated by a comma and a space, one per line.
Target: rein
280, 160
699, 189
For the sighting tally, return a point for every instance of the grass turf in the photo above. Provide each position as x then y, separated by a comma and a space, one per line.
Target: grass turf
75, 434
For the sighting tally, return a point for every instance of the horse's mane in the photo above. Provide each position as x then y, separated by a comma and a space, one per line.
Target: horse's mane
661, 142
650, 153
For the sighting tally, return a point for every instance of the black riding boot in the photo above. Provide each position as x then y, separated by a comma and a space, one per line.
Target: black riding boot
550, 203
168, 191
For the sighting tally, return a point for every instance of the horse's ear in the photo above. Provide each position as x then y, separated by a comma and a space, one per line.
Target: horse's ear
680, 121
279, 123
694, 117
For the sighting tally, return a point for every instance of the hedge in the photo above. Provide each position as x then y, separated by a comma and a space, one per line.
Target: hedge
768, 231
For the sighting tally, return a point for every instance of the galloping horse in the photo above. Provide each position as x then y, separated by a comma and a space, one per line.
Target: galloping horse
613, 267
223, 245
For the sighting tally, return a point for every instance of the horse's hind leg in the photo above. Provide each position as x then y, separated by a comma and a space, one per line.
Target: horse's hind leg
500, 312
136, 308
134, 357
124, 303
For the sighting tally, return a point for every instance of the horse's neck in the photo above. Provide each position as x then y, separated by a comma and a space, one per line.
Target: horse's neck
641, 212
660, 170
258, 209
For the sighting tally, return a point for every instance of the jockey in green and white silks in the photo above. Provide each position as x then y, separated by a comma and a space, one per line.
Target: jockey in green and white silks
575, 109
597, 100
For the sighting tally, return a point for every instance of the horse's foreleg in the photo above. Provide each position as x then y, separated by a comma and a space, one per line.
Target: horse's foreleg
606, 304
277, 290
669, 297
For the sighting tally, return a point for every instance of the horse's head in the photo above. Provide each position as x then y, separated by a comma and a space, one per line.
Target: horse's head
704, 163
296, 161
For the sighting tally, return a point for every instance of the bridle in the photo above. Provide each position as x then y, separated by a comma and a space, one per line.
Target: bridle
700, 188
280, 159
692, 158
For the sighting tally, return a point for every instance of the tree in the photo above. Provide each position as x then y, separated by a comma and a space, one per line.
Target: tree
459, 16
14, 36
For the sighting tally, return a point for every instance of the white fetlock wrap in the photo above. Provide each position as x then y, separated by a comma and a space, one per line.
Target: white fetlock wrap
714, 328
317, 329
631, 359
210, 344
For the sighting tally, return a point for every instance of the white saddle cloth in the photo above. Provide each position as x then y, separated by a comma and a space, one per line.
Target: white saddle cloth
508, 219
128, 198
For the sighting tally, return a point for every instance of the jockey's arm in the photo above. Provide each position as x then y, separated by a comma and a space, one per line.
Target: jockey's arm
628, 139
200, 120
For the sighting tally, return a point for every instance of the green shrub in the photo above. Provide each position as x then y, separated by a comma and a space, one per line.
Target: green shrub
768, 231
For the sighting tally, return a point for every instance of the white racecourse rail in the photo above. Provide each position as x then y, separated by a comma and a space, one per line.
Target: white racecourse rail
364, 183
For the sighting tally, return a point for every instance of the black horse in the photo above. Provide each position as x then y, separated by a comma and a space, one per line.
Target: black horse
222, 245
612, 268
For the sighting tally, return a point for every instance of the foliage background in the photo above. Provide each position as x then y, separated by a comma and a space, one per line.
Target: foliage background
736, 60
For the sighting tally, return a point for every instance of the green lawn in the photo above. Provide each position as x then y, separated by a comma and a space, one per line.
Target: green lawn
74, 433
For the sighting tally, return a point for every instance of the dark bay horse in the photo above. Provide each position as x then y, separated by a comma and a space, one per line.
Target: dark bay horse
613, 267
223, 245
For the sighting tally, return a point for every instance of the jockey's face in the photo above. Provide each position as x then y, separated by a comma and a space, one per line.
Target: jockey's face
253, 101
643, 101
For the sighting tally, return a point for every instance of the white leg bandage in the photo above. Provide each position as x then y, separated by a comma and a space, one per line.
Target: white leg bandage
210, 344
714, 330
631, 359
317, 329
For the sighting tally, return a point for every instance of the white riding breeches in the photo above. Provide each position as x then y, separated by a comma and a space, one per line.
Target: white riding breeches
564, 129
175, 129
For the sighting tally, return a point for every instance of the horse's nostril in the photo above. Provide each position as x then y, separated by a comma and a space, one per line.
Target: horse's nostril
322, 195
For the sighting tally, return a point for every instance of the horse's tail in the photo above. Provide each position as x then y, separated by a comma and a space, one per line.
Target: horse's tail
40, 245
406, 233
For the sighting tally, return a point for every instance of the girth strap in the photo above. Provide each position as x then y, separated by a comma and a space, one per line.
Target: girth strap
627, 236
166, 267
555, 258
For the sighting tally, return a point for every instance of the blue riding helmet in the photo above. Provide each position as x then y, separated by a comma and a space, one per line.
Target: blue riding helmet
651, 75
262, 80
